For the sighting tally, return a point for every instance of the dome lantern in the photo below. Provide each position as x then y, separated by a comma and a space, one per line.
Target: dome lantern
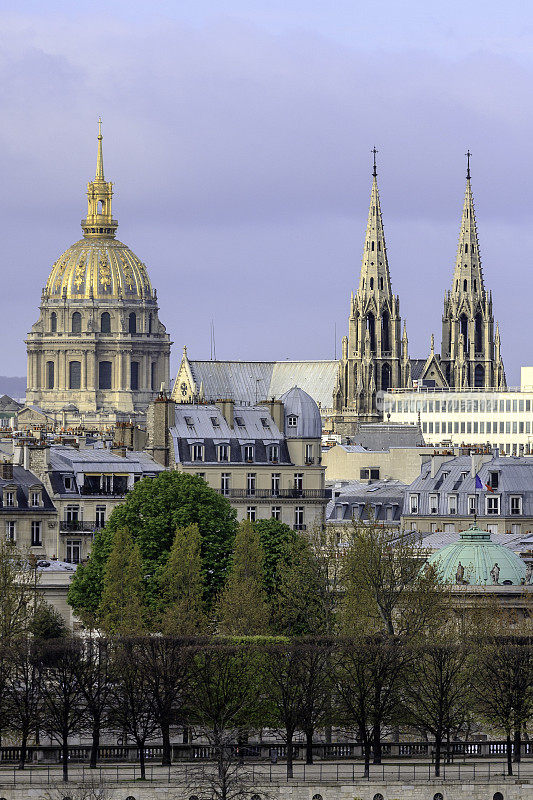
99, 220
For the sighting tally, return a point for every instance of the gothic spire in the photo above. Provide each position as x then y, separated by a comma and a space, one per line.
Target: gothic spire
375, 278
468, 274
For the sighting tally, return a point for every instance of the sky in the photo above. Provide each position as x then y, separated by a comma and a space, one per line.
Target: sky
238, 135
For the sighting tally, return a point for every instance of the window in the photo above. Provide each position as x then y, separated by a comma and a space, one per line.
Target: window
150, 321
76, 322
35, 498
200, 475
189, 422
215, 422
53, 322
493, 480
197, 452
309, 454
134, 376
132, 323
152, 376
472, 504
74, 375
413, 504
105, 322
516, 529
11, 531
274, 453
433, 504
449, 527
68, 482
240, 422
100, 516
250, 483
364, 474
9, 499
248, 452
104, 375
298, 481
516, 504
299, 518
292, 421
73, 551
72, 513
374, 474
452, 504
223, 452
50, 369
275, 481
492, 503
36, 539
264, 422
275, 512
251, 513
225, 482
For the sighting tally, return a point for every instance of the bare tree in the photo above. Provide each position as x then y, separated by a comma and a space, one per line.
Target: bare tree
63, 705
23, 690
95, 681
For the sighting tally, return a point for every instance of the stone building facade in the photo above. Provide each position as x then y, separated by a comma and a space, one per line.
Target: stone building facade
98, 343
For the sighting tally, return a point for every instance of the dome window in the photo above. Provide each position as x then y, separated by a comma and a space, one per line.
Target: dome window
76, 322
49, 374
105, 322
104, 375
134, 376
292, 421
53, 322
132, 323
74, 375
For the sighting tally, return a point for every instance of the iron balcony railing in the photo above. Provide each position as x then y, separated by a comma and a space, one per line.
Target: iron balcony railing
79, 526
281, 494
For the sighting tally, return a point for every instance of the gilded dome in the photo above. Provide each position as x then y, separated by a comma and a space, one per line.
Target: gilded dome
100, 268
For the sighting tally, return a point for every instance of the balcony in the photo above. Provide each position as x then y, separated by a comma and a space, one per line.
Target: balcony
299, 527
78, 526
279, 494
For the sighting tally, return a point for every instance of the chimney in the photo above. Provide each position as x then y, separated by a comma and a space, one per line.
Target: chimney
276, 411
226, 408
6, 470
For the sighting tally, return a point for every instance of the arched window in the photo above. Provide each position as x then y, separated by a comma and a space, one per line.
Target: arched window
463, 321
153, 376
149, 323
479, 333
475, 285
76, 322
381, 283
371, 328
465, 285
371, 283
104, 375
50, 375
100, 209
466, 248
132, 323
479, 376
385, 338
386, 375
74, 375
105, 322
134, 376
372, 245
53, 322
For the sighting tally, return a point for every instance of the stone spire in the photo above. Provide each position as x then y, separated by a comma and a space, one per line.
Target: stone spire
375, 276
468, 274
99, 221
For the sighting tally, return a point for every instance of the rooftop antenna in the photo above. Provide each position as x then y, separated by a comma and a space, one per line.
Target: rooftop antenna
213, 343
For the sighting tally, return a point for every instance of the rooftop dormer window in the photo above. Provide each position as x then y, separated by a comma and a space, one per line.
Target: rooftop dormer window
240, 422
264, 422
215, 422
68, 481
35, 498
292, 421
189, 422
10, 498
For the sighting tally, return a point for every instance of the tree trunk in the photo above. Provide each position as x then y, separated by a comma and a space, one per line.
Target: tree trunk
95, 743
23, 749
376, 743
64, 755
517, 756
309, 747
142, 765
509, 754
438, 746
165, 736
289, 755
186, 736
367, 749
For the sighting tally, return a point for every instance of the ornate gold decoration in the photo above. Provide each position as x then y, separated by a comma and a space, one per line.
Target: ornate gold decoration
128, 273
105, 274
79, 274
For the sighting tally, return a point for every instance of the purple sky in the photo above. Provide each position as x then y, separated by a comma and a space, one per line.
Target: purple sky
238, 135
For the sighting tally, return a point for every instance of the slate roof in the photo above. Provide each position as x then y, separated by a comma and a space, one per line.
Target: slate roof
417, 367
23, 479
384, 435
251, 381
377, 496
69, 459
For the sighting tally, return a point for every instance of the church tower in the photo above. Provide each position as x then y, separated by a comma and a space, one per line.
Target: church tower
470, 355
374, 355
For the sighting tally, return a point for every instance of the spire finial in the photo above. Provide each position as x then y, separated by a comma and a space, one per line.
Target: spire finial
100, 157
374, 152
468, 154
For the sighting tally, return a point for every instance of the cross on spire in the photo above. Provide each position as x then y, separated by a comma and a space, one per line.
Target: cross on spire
468, 154
374, 171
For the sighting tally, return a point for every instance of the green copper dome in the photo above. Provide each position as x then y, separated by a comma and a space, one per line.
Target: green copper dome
476, 559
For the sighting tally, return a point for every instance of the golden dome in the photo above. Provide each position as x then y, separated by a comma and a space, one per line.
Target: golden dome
100, 268
99, 265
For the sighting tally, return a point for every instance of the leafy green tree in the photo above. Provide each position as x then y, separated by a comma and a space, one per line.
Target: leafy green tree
152, 512
298, 606
47, 623
182, 586
276, 539
121, 610
242, 608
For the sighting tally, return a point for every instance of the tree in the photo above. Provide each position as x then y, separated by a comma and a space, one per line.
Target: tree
275, 538
23, 690
95, 679
436, 691
63, 707
182, 586
131, 703
48, 623
18, 590
385, 587
154, 509
121, 610
242, 608
315, 669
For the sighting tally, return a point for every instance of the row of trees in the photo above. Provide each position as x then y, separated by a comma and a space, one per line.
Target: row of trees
224, 689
